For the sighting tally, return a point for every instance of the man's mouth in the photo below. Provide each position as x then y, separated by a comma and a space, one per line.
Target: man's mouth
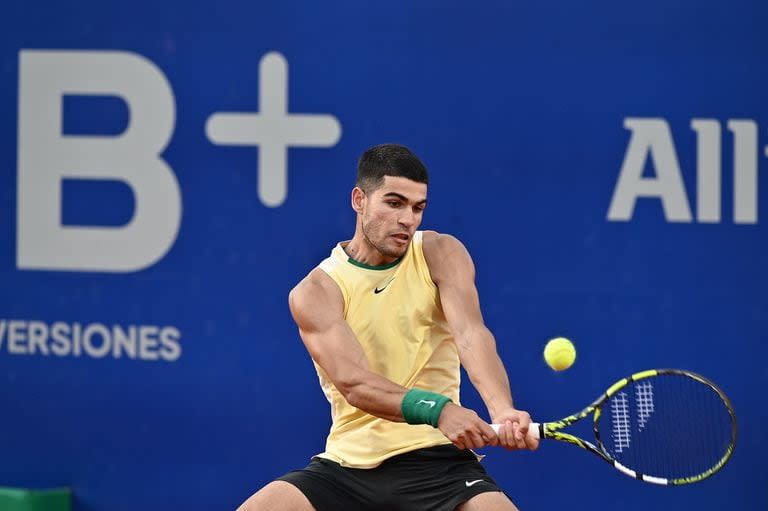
401, 236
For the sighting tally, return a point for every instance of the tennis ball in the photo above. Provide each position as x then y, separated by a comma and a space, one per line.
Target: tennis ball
559, 353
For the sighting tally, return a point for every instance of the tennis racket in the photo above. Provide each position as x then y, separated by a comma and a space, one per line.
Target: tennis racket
663, 426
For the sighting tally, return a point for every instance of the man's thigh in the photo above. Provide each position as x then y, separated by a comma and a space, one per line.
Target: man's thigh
489, 501
277, 496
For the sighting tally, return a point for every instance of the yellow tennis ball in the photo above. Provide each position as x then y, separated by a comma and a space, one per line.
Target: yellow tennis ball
559, 353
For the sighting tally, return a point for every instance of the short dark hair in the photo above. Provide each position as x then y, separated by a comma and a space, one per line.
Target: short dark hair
388, 160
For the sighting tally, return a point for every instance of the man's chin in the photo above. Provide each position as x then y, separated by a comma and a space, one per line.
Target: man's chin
396, 252
390, 248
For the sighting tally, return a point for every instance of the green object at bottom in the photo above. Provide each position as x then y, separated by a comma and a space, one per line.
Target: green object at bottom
17, 499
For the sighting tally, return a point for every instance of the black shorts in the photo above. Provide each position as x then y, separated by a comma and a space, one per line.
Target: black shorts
436, 478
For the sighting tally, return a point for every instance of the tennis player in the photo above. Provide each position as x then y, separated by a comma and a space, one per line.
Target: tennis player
387, 318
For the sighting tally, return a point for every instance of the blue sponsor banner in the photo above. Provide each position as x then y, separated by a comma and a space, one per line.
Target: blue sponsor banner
169, 171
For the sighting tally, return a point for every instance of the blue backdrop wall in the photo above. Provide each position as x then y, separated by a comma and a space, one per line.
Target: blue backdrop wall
169, 171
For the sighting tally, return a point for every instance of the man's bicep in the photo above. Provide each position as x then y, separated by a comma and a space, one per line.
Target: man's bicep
336, 350
458, 293
461, 306
318, 313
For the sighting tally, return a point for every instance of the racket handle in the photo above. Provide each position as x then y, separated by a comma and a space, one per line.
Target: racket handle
533, 429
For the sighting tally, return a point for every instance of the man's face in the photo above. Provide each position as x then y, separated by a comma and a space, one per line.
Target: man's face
392, 213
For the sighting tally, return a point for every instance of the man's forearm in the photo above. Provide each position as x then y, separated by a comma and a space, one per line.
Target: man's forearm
373, 394
477, 352
383, 398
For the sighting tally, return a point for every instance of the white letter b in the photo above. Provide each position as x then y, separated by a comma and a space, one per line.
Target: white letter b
46, 157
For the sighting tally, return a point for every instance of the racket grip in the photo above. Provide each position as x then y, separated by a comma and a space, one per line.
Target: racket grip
533, 430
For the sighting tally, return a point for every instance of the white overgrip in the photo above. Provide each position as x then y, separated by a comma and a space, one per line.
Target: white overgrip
533, 429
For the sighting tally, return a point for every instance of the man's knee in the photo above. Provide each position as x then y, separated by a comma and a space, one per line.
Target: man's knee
490, 500
277, 496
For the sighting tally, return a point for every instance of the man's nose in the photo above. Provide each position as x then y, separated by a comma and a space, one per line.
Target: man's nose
408, 218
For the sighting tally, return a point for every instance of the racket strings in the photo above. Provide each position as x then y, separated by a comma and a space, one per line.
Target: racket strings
670, 426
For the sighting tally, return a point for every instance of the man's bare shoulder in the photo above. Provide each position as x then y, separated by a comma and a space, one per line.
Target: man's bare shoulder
444, 254
316, 290
316, 285
437, 245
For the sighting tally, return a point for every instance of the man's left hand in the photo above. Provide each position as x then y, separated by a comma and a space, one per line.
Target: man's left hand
513, 433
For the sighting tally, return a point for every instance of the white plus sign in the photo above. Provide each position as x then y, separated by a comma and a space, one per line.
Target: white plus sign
273, 129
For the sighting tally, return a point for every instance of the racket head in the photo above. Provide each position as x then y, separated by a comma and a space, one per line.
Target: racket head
665, 426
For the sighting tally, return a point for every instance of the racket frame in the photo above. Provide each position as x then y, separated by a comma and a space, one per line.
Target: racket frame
551, 430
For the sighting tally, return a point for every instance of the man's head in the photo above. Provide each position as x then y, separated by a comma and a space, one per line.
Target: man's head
389, 197
388, 160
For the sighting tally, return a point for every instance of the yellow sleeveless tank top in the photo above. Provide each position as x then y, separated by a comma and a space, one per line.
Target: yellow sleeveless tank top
395, 312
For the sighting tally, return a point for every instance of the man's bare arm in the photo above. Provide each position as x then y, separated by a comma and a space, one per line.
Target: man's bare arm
453, 271
317, 307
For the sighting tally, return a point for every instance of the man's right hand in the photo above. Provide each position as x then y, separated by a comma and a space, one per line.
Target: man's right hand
465, 428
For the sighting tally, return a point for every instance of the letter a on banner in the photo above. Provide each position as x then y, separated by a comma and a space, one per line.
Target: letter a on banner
650, 138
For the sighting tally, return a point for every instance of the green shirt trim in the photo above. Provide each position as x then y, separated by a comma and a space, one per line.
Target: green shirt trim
379, 267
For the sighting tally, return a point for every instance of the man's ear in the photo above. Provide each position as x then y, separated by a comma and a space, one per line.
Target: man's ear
358, 199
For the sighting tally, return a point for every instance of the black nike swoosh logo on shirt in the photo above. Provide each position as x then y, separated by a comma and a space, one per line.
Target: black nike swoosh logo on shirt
377, 290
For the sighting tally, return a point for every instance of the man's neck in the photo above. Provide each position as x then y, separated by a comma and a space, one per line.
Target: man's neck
360, 250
